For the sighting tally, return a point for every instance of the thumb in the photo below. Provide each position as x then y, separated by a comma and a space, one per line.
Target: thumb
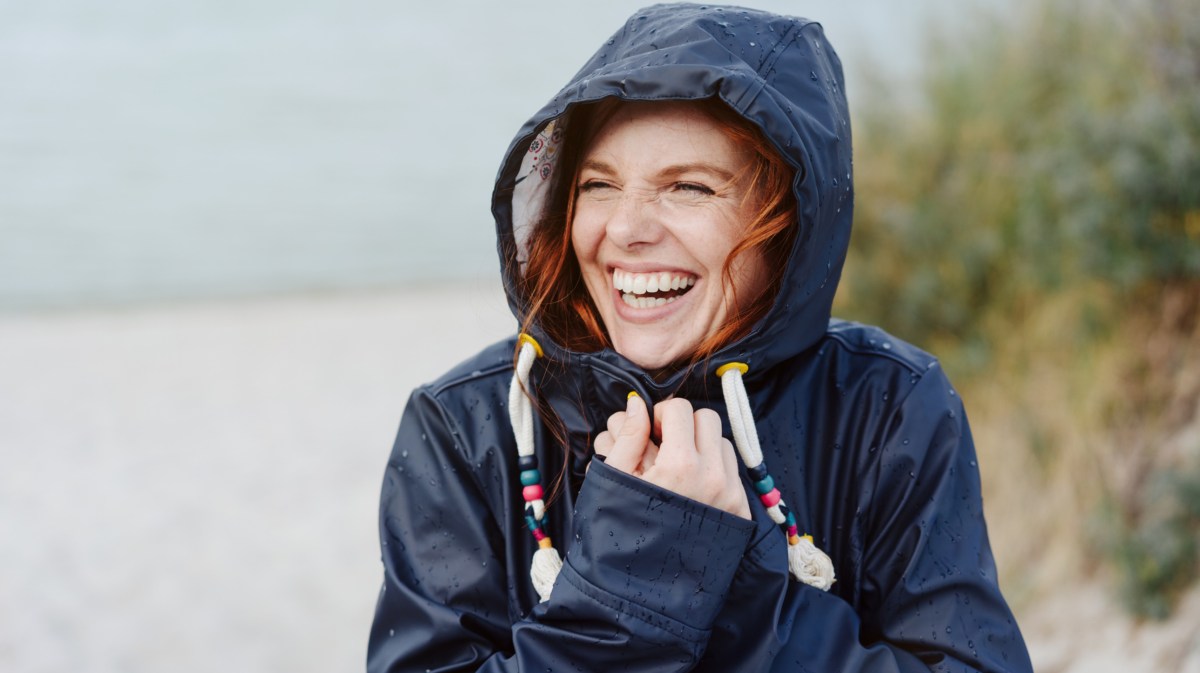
626, 452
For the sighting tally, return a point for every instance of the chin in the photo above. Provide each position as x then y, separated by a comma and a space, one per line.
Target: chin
654, 355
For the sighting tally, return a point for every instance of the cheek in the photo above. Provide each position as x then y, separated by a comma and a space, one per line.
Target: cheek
585, 239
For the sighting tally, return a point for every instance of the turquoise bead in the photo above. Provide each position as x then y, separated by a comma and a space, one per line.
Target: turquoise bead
764, 487
530, 477
791, 520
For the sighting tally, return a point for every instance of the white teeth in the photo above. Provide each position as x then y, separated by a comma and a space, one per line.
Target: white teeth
642, 283
646, 302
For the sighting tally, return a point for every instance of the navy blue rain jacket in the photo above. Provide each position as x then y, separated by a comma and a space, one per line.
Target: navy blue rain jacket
863, 434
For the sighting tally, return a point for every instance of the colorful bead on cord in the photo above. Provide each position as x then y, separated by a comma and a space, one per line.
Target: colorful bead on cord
546, 562
532, 492
805, 561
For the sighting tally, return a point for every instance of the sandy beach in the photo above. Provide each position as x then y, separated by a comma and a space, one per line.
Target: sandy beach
194, 488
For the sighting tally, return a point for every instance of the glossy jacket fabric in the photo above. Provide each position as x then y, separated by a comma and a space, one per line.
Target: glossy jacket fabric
863, 434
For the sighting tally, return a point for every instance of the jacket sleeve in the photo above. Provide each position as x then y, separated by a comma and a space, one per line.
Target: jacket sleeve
644, 576
927, 597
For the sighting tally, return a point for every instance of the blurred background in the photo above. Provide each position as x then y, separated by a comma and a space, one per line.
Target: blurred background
235, 235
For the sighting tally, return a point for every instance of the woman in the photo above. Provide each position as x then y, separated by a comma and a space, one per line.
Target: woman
672, 228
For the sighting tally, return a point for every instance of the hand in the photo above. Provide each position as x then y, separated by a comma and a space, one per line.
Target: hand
603, 444
692, 459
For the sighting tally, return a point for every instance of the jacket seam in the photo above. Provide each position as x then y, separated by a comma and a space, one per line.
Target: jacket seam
785, 42
436, 389
459, 456
877, 466
894, 357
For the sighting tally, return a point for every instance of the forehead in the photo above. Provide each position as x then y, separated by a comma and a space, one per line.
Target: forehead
664, 134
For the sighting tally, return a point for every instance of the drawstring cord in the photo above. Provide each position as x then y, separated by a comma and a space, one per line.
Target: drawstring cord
806, 562
546, 560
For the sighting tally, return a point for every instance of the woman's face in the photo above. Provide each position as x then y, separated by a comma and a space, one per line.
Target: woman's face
661, 202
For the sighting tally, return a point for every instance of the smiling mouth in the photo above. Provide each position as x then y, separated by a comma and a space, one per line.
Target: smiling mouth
648, 290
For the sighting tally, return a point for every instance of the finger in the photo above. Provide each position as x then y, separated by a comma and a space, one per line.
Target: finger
739, 502
673, 420
603, 443
729, 461
649, 457
707, 427
630, 442
615, 422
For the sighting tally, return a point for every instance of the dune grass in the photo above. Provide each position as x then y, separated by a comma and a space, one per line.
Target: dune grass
1031, 213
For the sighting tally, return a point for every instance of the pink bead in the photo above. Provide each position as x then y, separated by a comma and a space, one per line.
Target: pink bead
792, 531
538, 534
532, 493
770, 498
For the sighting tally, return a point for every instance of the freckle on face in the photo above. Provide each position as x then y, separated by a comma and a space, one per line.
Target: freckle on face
661, 194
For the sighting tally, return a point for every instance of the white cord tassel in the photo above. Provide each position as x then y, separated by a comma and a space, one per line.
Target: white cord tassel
806, 562
810, 565
546, 564
546, 561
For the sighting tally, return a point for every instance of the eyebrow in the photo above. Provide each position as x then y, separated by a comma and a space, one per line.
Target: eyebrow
669, 171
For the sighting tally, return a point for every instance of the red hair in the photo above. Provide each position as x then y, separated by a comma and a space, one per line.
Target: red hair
557, 299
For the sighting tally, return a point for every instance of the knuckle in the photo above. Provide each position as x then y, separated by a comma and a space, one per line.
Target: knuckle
676, 405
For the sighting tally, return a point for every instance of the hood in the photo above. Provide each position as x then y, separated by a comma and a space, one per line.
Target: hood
779, 73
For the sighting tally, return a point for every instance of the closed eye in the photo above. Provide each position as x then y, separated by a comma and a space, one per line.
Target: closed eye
693, 187
594, 185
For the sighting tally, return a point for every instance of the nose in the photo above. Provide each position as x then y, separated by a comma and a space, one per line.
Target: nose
635, 221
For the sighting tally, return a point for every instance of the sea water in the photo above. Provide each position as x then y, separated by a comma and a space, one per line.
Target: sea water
155, 151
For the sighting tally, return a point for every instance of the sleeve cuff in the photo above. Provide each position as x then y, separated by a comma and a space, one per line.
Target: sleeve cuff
659, 550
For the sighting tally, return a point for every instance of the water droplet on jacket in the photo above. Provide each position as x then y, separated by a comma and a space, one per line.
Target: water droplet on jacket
972, 463
887, 345
391, 632
905, 442
753, 45
812, 75
404, 453
873, 449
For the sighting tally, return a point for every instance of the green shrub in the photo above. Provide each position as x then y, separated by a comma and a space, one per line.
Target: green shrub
1059, 150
